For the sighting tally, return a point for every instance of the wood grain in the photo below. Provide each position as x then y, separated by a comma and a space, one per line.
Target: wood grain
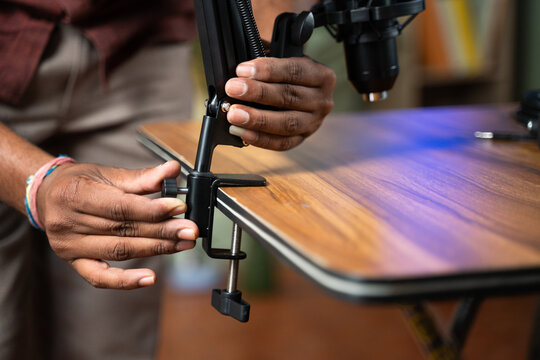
394, 194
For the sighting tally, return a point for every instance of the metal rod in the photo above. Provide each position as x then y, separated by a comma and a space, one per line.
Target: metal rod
206, 146
233, 265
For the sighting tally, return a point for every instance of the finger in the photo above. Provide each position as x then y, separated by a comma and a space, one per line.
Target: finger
122, 248
284, 96
300, 71
109, 202
100, 275
142, 181
172, 229
266, 141
273, 122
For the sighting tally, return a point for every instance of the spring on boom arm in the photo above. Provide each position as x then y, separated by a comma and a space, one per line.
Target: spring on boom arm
256, 47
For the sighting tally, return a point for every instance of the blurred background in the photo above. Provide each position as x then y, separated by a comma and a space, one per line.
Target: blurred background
456, 52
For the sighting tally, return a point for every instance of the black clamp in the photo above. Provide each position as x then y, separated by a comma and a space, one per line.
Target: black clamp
201, 193
228, 36
201, 198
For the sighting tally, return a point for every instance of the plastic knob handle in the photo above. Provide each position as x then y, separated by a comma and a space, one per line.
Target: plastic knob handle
169, 188
302, 28
231, 304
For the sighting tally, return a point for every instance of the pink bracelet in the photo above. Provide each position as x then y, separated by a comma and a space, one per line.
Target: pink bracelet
32, 186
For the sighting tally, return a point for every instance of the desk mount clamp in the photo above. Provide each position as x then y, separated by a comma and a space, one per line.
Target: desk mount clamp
201, 195
228, 36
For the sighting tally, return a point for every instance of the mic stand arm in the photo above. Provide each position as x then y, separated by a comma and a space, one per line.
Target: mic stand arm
224, 45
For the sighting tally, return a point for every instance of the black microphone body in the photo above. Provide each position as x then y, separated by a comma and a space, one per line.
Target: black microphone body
371, 54
368, 29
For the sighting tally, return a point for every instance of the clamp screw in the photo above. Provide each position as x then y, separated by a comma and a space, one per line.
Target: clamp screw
225, 106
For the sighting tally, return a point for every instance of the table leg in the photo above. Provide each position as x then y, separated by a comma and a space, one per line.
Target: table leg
534, 345
462, 321
437, 345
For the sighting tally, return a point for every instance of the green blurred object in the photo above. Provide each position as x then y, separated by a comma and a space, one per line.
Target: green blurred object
528, 46
257, 271
200, 92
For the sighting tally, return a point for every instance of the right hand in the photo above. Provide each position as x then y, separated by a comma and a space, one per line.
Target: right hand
93, 213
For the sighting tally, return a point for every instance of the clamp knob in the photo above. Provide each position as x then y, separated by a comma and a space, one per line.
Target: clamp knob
169, 188
302, 28
231, 304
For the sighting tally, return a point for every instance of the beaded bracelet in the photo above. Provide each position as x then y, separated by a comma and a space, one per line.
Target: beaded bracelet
32, 185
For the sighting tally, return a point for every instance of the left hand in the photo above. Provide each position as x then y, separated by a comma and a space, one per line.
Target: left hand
300, 87
94, 213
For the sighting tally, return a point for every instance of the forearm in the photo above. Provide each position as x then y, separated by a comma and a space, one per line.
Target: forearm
20, 159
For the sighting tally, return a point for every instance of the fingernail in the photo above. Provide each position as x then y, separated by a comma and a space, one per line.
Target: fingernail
147, 281
186, 234
184, 245
238, 116
176, 206
237, 131
247, 135
245, 70
180, 209
235, 87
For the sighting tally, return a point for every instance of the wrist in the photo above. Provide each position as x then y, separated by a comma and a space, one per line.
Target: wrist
32, 186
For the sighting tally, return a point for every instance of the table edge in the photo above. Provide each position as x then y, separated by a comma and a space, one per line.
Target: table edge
362, 289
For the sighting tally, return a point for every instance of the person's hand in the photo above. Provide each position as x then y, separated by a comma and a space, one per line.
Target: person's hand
300, 87
93, 213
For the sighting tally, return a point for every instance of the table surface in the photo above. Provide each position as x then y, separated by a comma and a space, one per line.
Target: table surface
390, 205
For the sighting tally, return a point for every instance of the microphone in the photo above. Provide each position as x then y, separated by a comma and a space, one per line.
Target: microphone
368, 30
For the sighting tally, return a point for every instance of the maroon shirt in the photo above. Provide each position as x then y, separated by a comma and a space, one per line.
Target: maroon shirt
116, 28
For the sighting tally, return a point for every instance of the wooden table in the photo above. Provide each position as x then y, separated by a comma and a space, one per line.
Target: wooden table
390, 206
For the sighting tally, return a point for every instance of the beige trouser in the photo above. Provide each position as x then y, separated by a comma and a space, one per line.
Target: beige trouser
46, 310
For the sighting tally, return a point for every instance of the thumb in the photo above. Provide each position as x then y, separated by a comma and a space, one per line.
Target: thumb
144, 181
